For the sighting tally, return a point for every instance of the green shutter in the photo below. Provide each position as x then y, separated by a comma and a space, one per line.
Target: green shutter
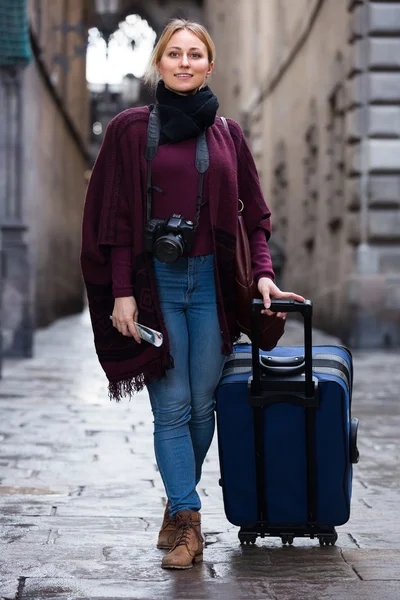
15, 47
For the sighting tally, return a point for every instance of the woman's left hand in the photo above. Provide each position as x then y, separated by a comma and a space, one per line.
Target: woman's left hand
268, 290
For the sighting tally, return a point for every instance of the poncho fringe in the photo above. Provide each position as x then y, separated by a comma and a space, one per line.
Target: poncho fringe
132, 385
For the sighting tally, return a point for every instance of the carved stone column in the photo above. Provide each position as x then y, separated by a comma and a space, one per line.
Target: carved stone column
16, 277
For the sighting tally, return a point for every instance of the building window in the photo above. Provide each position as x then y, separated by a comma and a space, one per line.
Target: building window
280, 195
311, 184
127, 50
336, 157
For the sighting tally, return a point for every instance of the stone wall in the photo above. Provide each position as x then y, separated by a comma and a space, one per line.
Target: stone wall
317, 91
56, 130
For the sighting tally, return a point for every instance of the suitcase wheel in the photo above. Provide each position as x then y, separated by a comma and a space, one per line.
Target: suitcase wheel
328, 539
287, 539
247, 538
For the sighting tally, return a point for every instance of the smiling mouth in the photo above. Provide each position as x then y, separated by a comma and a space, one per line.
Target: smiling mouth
183, 75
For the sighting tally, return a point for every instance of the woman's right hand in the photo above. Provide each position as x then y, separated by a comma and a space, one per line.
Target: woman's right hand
124, 314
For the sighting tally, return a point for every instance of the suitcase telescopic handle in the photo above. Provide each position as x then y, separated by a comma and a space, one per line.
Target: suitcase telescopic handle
305, 309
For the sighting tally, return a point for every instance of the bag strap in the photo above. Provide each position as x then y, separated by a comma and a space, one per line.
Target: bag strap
225, 122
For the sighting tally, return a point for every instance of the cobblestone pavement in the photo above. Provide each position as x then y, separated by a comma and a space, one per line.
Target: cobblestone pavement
81, 499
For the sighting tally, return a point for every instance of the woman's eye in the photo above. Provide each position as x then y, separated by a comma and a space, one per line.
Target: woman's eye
193, 55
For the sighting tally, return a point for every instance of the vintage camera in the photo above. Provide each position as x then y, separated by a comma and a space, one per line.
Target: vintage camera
168, 238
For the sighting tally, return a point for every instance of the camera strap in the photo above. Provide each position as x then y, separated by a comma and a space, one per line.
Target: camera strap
202, 161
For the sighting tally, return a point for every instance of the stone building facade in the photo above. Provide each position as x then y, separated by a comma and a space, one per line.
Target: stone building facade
316, 86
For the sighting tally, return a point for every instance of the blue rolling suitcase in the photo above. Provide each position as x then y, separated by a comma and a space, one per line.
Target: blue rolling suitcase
286, 438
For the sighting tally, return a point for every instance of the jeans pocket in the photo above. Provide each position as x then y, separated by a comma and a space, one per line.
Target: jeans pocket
207, 259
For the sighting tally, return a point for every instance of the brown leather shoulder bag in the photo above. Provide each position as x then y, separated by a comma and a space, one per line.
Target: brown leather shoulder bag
272, 327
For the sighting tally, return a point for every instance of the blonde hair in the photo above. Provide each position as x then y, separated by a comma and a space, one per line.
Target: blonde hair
152, 75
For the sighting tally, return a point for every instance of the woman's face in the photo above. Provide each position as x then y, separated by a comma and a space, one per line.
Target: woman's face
184, 65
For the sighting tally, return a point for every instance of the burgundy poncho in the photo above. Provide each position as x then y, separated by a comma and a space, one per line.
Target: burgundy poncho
115, 215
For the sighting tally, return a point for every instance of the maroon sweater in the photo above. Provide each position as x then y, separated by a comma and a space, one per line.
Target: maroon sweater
175, 174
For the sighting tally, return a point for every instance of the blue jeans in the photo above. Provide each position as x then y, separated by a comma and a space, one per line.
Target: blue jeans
183, 403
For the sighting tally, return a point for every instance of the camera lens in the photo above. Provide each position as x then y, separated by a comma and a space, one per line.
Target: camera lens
168, 248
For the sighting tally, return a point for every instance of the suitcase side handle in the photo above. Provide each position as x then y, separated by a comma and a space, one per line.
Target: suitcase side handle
305, 309
354, 453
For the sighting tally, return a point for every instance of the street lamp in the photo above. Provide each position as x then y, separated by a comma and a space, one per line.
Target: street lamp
107, 11
104, 7
130, 89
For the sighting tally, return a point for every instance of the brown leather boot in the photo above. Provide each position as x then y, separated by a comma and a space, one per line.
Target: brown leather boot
167, 534
189, 543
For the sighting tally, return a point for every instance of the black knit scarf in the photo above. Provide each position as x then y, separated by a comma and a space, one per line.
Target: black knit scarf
184, 117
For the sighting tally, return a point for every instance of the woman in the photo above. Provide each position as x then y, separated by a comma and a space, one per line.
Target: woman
178, 282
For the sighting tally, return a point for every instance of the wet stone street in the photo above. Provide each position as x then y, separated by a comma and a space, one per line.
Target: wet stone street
81, 500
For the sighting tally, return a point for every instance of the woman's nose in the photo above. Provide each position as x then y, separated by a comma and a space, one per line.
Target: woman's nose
184, 61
